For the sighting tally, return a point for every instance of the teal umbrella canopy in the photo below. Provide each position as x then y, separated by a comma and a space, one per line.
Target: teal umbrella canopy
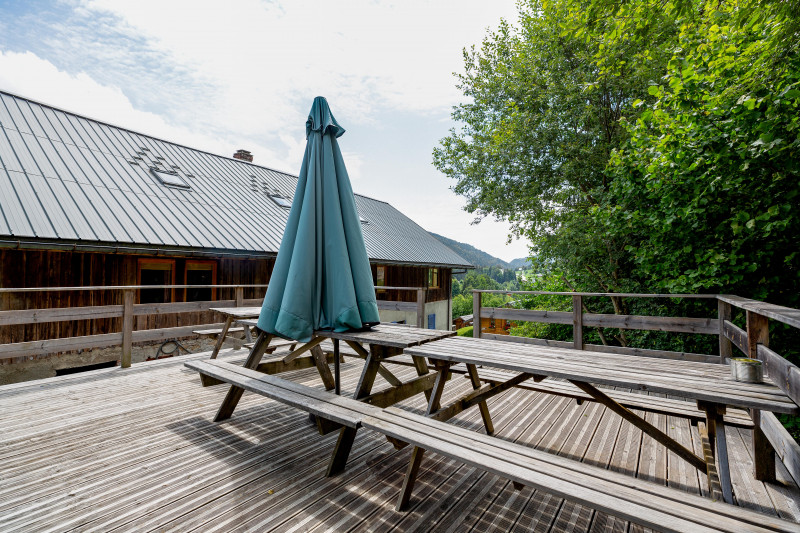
322, 277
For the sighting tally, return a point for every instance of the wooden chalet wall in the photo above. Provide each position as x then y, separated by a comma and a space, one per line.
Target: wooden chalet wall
413, 276
48, 268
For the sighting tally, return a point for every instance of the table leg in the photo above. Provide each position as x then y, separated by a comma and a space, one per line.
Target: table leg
422, 368
235, 393
221, 337
718, 443
321, 362
247, 336
336, 378
346, 435
476, 384
416, 456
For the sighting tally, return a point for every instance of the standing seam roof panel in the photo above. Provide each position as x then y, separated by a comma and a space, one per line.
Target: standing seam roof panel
92, 190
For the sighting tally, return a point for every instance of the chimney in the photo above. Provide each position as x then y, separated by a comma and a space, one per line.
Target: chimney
244, 155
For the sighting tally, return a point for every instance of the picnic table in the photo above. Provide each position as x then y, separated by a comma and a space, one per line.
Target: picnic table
710, 385
641, 501
233, 314
376, 346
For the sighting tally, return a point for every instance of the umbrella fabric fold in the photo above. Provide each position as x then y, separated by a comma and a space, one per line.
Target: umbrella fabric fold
322, 278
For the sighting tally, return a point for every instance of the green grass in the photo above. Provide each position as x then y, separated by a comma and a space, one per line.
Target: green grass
465, 332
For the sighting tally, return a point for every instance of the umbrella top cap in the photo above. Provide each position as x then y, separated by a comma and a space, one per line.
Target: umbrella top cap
321, 119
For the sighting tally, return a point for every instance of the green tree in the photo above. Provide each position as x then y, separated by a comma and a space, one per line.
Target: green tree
538, 131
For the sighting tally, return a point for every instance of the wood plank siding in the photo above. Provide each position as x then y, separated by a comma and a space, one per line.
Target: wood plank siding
49, 268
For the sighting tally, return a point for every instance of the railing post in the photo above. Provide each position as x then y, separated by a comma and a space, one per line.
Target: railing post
239, 296
577, 322
763, 452
476, 314
724, 313
420, 308
127, 327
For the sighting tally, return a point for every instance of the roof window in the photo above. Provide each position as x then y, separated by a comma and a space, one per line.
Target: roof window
169, 178
280, 200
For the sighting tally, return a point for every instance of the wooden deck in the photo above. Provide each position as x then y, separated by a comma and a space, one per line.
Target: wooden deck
135, 450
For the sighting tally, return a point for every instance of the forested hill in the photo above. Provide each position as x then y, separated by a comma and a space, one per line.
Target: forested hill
479, 258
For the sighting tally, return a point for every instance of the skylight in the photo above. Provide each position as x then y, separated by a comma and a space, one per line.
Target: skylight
170, 178
280, 200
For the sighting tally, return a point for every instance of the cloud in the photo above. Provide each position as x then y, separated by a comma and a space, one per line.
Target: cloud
30, 76
242, 74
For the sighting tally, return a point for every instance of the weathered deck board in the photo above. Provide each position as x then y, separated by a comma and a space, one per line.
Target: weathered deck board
135, 449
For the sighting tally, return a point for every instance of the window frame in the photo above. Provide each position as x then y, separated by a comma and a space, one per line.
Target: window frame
155, 261
433, 278
213, 269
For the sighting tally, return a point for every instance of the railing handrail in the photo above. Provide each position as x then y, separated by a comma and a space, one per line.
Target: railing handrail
140, 287
619, 294
770, 438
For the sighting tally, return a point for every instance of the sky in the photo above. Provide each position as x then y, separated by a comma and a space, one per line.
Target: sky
241, 74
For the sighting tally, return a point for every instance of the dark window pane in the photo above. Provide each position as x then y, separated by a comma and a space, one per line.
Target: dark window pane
199, 277
155, 277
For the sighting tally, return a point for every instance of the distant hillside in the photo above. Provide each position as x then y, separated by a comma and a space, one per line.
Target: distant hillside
479, 258
520, 262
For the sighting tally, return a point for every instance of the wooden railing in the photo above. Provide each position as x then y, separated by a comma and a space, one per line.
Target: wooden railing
127, 335
769, 435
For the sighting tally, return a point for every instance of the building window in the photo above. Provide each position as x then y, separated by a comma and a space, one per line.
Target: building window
201, 273
156, 272
380, 276
433, 278
280, 200
170, 178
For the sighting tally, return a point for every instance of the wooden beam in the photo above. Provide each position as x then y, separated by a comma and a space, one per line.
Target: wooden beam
179, 307
321, 362
235, 393
711, 469
476, 314
527, 315
316, 341
406, 390
654, 432
758, 337
59, 314
718, 442
421, 308
127, 327
724, 313
577, 322
709, 326
472, 371
239, 296
736, 335
763, 451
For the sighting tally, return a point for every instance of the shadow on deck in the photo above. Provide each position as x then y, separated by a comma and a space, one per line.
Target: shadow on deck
137, 449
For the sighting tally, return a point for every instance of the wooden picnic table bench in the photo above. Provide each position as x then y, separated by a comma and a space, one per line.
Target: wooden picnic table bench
643, 502
710, 385
233, 314
643, 402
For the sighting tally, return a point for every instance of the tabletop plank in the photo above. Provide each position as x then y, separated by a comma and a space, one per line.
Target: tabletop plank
238, 312
698, 381
391, 335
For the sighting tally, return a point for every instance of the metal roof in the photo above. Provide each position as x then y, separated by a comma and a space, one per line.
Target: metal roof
70, 180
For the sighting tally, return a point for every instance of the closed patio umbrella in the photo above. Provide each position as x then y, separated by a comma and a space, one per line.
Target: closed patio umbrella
322, 277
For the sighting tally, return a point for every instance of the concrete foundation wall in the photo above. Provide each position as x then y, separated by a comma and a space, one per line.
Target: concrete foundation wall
442, 309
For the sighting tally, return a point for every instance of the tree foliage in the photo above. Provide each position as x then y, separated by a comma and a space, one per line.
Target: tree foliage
649, 146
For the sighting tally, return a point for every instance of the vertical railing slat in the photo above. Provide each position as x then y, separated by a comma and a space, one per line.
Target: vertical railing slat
127, 327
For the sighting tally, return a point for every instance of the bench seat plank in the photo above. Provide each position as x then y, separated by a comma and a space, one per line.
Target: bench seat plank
323, 405
643, 502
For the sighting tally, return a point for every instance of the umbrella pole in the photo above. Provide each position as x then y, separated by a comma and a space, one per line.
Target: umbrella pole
336, 381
